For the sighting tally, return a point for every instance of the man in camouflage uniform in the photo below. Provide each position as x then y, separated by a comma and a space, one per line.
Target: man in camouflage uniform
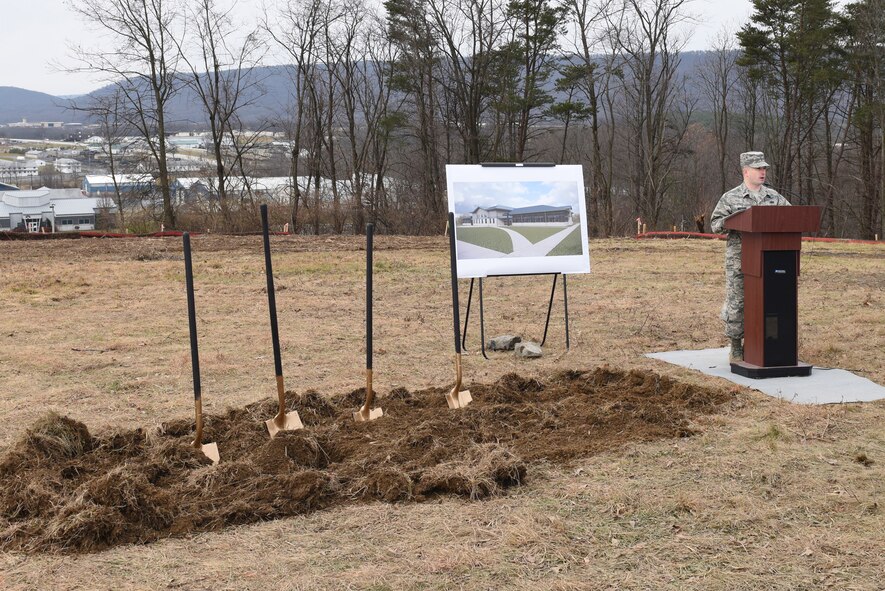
750, 192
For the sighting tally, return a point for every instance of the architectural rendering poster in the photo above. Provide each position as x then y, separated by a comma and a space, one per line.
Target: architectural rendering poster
517, 220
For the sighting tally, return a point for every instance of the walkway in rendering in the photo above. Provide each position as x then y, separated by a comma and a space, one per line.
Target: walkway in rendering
467, 250
524, 247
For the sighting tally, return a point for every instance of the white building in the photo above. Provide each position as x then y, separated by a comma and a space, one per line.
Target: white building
68, 166
47, 210
19, 170
186, 141
94, 185
496, 215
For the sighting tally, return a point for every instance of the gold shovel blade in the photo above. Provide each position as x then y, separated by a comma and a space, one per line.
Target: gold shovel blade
458, 399
291, 421
375, 413
211, 451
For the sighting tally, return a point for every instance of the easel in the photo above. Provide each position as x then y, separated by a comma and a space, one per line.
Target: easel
552, 291
482, 331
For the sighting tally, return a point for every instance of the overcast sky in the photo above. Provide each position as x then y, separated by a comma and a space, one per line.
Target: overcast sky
469, 196
34, 34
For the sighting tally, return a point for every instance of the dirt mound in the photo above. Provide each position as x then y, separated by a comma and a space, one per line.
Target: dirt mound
63, 489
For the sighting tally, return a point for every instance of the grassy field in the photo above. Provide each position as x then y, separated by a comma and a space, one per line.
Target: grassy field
570, 245
767, 495
536, 234
491, 238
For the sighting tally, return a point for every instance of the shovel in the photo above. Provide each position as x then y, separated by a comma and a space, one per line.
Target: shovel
367, 413
457, 398
209, 449
283, 421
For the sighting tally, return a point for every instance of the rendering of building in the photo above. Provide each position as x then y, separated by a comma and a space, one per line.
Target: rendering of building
542, 214
501, 215
496, 215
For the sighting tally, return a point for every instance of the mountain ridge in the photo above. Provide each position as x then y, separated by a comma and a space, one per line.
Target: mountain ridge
272, 92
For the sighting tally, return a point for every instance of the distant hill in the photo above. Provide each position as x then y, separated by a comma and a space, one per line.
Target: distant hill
17, 104
270, 96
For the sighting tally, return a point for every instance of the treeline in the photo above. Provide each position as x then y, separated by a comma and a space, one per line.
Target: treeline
381, 100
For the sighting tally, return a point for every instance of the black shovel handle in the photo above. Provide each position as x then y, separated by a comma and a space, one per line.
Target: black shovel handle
191, 313
271, 295
456, 311
370, 233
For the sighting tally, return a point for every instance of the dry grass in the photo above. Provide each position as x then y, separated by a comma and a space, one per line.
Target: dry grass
769, 496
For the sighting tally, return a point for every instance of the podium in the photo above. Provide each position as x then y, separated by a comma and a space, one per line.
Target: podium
771, 238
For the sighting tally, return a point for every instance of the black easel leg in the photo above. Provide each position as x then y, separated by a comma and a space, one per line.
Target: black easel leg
549, 309
482, 323
565, 300
467, 317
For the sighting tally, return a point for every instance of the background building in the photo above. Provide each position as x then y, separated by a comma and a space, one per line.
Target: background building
48, 210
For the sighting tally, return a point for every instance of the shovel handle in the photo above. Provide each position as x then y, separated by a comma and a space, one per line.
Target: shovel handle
370, 232
271, 296
191, 314
456, 311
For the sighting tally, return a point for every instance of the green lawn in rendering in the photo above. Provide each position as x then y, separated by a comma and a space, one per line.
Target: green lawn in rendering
535, 234
491, 238
570, 245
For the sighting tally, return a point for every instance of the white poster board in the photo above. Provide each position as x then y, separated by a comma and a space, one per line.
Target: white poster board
518, 220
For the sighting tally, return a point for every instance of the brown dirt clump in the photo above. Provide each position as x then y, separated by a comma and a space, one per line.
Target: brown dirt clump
482, 472
65, 490
290, 450
51, 438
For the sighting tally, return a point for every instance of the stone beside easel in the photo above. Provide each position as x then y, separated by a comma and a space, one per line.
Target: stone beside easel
528, 350
503, 343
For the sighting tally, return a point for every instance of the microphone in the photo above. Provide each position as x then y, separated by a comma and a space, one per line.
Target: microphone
785, 192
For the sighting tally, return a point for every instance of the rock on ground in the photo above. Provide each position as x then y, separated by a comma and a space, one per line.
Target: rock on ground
528, 350
503, 343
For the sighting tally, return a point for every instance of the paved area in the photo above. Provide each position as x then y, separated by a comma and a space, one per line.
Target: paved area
542, 248
823, 386
472, 251
522, 246
520, 242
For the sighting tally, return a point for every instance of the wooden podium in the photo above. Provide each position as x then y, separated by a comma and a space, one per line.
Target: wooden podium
771, 238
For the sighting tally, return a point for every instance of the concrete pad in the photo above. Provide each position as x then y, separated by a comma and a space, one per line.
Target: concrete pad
823, 386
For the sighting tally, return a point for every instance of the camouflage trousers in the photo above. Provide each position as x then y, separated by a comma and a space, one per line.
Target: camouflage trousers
733, 308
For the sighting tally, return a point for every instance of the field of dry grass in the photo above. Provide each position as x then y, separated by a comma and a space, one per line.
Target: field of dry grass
768, 495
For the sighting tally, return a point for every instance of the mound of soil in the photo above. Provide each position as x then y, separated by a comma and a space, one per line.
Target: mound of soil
65, 490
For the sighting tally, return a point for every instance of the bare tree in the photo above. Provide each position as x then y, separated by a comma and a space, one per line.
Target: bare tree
656, 109
107, 111
222, 78
596, 53
469, 31
718, 76
360, 61
141, 66
297, 29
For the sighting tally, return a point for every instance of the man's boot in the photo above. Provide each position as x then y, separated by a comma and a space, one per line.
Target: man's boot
737, 350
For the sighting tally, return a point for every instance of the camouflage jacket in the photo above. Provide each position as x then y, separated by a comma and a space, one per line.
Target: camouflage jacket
739, 199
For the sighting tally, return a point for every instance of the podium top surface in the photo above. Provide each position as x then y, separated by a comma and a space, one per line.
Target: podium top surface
776, 219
